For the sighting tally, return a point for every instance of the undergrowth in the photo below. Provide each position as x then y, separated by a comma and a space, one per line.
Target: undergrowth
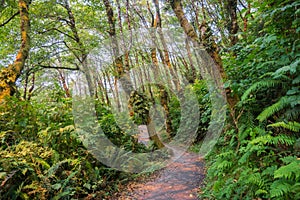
259, 158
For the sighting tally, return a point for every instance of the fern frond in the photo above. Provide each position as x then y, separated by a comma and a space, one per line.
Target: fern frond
283, 139
292, 69
279, 105
66, 182
269, 171
255, 179
224, 165
53, 169
42, 162
269, 139
291, 114
262, 84
296, 190
296, 80
289, 172
264, 139
288, 159
260, 191
292, 126
280, 188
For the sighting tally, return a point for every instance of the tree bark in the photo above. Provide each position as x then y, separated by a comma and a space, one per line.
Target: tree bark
9, 75
231, 6
210, 46
63, 82
82, 57
163, 94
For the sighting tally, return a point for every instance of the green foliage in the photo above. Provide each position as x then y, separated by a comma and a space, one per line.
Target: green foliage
199, 88
292, 126
41, 156
140, 106
260, 158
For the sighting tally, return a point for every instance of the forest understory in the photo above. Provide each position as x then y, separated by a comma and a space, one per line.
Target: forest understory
98, 97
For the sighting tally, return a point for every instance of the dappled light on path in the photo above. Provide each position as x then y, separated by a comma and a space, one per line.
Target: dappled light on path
179, 180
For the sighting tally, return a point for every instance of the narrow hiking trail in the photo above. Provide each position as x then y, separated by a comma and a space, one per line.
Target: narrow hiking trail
180, 180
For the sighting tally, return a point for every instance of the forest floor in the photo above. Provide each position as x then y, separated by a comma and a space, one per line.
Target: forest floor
181, 179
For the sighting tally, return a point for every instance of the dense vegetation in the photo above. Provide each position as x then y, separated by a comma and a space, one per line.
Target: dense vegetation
254, 44
258, 157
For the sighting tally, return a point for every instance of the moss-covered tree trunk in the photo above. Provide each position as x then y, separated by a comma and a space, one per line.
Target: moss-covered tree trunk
10, 74
126, 82
231, 7
163, 94
210, 46
82, 55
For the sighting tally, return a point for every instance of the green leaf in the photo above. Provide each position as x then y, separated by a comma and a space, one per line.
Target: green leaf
293, 126
56, 186
279, 188
290, 171
259, 85
283, 102
2, 175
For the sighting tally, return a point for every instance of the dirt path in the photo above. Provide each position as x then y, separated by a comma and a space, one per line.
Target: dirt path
180, 180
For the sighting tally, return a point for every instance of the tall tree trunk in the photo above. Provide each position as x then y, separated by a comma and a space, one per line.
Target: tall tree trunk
30, 91
245, 20
9, 75
82, 56
211, 48
63, 81
126, 82
163, 94
100, 85
231, 6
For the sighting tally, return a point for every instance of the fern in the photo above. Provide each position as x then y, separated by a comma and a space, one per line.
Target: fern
261, 191
292, 126
282, 139
296, 190
279, 105
255, 179
292, 68
258, 85
54, 168
66, 182
291, 114
290, 171
42, 162
224, 165
280, 188
296, 80
287, 183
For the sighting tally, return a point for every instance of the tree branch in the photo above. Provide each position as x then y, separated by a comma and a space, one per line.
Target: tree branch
56, 29
78, 58
55, 67
8, 20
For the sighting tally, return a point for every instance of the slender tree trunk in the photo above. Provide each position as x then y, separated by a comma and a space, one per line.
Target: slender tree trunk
30, 91
245, 20
117, 95
27, 74
82, 55
231, 6
63, 81
211, 48
107, 79
126, 82
147, 76
163, 94
9, 75
101, 88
